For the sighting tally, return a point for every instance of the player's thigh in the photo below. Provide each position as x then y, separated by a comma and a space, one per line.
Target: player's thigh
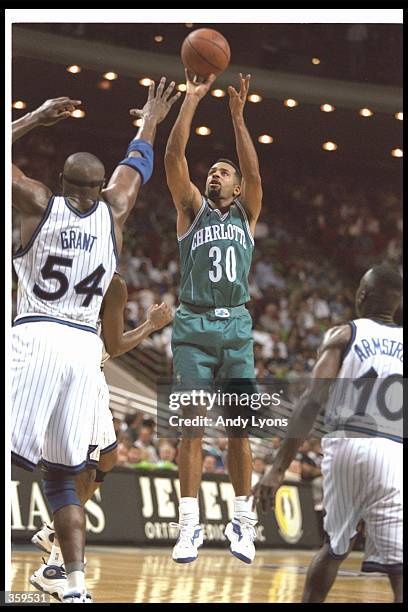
103, 436
343, 495
37, 371
70, 428
237, 350
192, 364
383, 512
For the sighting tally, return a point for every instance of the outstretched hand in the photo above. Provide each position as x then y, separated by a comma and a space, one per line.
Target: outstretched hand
264, 492
53, 111
158, 104
237, 99
198, 86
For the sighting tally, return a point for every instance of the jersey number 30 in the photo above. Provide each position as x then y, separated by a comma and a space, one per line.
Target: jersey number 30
230, 264
89, 286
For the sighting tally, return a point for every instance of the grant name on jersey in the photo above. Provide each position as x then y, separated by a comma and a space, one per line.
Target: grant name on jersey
74, 239
369, 348
212, 233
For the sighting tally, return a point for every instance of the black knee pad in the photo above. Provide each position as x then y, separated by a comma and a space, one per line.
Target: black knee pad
59, 489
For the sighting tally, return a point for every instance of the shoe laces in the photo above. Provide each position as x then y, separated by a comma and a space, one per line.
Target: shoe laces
249, 529
186, 531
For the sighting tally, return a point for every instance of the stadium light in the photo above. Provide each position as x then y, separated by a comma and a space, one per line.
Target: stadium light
291, 103
203, 130
19, 104
315, 61
145, 81
110, 76
159, 38
329, 146
327, 108
265, 139
78, 114
74, 69
217, 93
366, 112
255, 98
397, 153
399, 116
182, 87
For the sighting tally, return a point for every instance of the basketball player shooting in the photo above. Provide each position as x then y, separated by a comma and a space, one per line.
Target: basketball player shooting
70, 246
362, 476
212, 331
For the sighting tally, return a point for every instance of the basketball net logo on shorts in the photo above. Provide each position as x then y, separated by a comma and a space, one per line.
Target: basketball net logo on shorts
288, 514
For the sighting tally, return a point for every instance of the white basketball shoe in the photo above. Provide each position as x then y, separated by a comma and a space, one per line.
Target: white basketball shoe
188, 542
241, 537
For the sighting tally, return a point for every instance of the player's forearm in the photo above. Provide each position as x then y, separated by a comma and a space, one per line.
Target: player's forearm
147, 131
22, 126
300, 426
248, 159
130, 339
179, 135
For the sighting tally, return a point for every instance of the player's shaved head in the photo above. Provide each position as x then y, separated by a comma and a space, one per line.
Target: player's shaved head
380, 291
84, 170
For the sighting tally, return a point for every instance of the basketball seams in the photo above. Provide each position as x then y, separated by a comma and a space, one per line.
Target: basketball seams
213, 42
202, 57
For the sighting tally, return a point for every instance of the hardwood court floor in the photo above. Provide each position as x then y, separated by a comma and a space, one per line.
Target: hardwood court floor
149, 575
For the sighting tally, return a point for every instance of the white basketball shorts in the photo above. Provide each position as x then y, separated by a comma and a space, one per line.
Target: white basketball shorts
362, 479
55, 377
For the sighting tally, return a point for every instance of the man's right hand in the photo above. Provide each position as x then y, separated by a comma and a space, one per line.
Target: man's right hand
53, 111
159, 315
198, 87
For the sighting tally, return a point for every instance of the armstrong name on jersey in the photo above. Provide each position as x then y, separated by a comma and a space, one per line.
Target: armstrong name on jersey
369, 347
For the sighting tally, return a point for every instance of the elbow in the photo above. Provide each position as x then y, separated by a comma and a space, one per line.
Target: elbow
113, 349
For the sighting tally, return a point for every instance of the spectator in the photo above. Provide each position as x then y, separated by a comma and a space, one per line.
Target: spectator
167, 454
209, 464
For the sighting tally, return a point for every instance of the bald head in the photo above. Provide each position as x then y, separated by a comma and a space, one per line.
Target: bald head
380, 291
84, 170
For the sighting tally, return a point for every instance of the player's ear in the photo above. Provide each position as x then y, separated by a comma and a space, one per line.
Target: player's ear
60, 178
237, 191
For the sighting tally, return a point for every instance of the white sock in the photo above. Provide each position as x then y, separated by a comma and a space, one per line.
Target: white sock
243, 510
189, 513
55, 557
76, 581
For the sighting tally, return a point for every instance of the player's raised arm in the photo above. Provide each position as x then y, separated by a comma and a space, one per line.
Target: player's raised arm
30, 196
251, 186
137, 167
186, 195
116, 340
325, 370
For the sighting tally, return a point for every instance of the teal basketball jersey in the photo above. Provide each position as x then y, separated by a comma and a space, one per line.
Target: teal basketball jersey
215, 255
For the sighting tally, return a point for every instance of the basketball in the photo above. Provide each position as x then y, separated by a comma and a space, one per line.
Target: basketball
205, 51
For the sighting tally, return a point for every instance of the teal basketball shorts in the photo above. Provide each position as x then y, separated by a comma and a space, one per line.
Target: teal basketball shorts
213, 347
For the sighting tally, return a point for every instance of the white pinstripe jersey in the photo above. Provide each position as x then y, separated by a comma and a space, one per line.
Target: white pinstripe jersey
370, 396
67, 266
